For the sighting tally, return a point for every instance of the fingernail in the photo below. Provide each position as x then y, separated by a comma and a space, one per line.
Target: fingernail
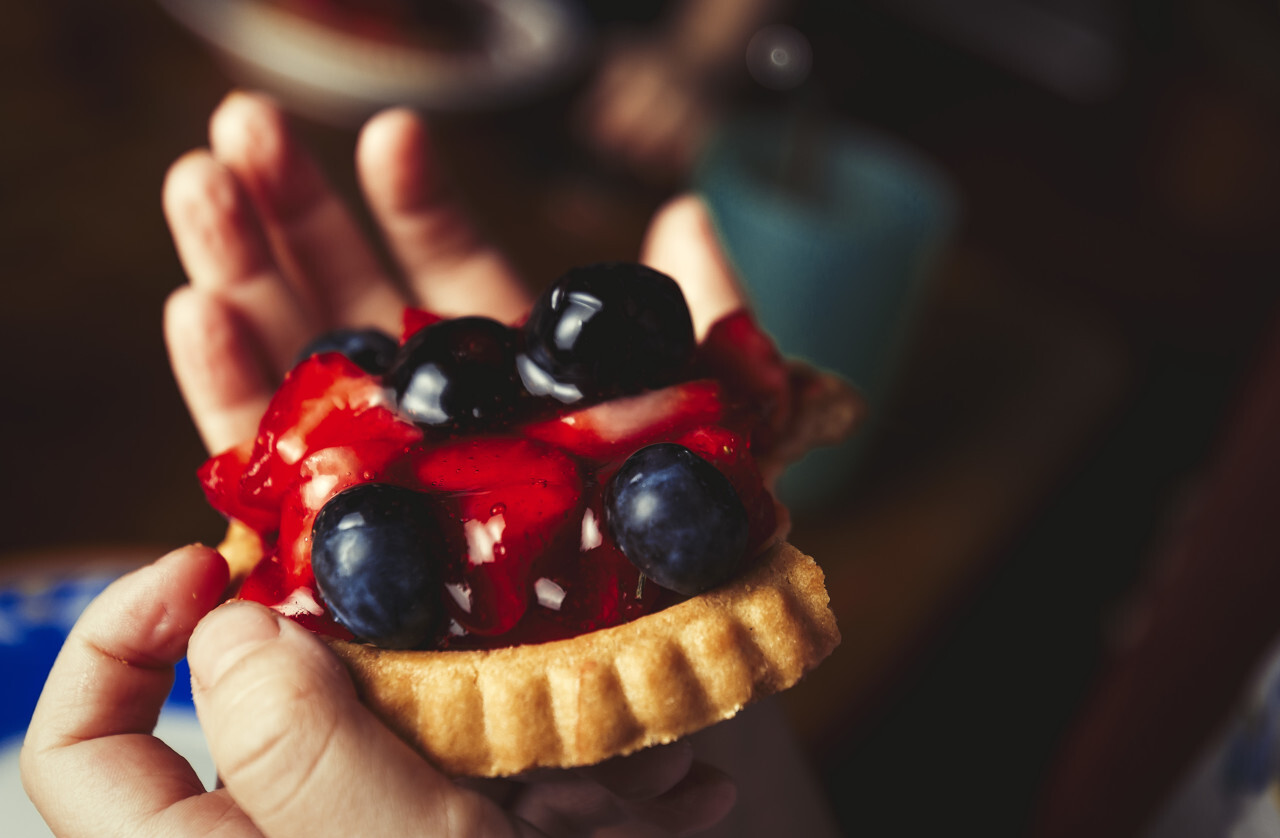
225, 636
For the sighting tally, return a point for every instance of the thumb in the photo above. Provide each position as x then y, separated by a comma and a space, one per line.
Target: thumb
296, 749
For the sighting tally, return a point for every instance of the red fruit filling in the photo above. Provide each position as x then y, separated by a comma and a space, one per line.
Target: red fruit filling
530, 556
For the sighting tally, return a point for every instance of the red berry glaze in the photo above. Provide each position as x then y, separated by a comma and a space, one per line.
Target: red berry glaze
510, 500
614, 429
730, 452
530, 559
738, 353
414, 321
325, 401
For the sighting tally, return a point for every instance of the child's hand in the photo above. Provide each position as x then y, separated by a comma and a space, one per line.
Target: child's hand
274, 259
298, 754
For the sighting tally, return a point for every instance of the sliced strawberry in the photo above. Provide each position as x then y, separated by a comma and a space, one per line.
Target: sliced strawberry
322, 475
269, 584
221, 477
266, 583
415, 320
600, 590
324, 402
739, 353
581, 587
595, 586
511, 500
730, 452
614, 429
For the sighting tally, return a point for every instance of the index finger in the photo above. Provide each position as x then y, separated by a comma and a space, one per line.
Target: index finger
116, 667
89, 754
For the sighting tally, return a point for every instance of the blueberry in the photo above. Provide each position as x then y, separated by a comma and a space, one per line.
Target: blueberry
370, 349
607, 330
376, 551
677, 518
459, 375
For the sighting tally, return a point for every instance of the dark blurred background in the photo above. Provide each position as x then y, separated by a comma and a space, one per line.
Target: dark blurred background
1109, 283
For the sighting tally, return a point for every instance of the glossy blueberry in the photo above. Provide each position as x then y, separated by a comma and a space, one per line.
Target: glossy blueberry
606, 330
376, 551
677, 518
458, 375
370, 349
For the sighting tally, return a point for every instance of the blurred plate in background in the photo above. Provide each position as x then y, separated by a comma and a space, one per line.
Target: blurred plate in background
340, 61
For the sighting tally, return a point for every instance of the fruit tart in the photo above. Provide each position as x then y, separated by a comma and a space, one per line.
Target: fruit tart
546, 544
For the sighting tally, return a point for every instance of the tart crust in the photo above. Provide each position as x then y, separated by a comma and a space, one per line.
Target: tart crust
498, 712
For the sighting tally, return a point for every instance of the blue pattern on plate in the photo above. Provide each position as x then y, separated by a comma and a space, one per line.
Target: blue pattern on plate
37, 612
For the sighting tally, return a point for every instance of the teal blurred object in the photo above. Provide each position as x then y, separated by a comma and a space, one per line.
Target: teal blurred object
835, 231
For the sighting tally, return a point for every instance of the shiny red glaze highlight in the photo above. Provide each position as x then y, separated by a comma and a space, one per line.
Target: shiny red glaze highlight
522, 508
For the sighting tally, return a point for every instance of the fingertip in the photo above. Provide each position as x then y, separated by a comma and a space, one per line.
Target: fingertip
186, 584
390, 129
680, 212
178, 309
240, 115
287, 733
200, 568
196, 193
392, 156
682, 242
180, 174
258, 677
143, 620
225, 636
264, 641
248, 131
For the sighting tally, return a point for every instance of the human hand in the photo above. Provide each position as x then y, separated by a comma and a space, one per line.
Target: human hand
299, 755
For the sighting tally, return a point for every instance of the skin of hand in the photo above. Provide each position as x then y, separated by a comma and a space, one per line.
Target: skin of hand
273, 258
297, 752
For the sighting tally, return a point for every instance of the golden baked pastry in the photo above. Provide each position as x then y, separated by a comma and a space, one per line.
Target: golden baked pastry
497, 712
